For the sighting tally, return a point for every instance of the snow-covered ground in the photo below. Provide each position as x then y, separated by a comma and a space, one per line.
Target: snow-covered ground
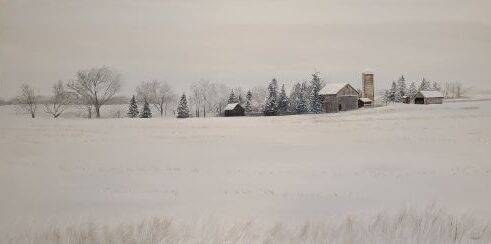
288, 169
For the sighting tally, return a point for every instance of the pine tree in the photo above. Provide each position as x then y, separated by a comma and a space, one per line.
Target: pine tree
400, 90
133, 108
392, 92
425, 85
271, 107
436, 86
315, 99
232, 98
240, 100
283, 100
248, 105
146, 112
411, 92
294, 96
386, 96
183, 108
301, 101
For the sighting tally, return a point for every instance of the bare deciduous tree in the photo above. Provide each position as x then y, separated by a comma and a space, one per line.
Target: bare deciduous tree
27, 100
56, 104
159, 94
96, 86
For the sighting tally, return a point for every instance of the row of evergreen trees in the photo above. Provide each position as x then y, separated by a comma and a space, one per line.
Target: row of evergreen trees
304, 97
133, 109
399, 90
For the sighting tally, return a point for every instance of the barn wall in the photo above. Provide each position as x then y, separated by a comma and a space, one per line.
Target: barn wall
330, 104
434, 100
348, 102
347, 98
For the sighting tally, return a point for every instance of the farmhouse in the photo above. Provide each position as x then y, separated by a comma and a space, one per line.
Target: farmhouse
364, 102
234, 109
339, 97
428, 97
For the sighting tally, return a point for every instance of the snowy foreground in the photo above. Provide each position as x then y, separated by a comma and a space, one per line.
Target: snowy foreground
368, 176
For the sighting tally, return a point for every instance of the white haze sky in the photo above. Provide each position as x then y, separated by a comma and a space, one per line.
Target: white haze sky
244, 43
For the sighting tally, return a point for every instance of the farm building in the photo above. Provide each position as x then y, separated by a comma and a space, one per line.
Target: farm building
339, 97
234, 109
364, 102
428, 97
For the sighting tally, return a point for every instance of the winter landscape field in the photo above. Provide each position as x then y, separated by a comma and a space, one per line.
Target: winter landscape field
394, 174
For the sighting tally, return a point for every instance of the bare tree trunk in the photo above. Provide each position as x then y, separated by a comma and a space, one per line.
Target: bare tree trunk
98, 110
204, 111
33, 115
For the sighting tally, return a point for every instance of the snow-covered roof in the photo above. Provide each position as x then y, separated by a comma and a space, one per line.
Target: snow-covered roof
332, 88
231, 106
431, 94
368, 71
365, 100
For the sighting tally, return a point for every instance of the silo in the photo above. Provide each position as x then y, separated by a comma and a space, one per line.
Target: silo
368, 86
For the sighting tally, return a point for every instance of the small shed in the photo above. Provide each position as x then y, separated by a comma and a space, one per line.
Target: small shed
234, 109
339, 97
428, 97
364, 102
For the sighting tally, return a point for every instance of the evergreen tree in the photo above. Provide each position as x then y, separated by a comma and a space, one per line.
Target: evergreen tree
392, 92
400, 89
133, 108
248, 105
283, 100
386, 96
425, 85
271, 107
294, 96
436, 86
315, 99
183, 108
232, 98
301, 101
240, 100
146, 112
412, 91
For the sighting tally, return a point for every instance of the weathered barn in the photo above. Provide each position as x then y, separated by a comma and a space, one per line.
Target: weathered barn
339, 97
365, 102
428, 97
234, 109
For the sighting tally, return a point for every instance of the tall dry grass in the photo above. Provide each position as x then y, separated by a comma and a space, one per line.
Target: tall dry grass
431, 226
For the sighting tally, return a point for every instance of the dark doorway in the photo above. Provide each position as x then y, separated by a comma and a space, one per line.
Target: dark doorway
340, 107
419, 100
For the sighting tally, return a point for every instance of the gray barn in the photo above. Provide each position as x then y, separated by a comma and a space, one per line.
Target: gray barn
339, 97
428, 97
234, 109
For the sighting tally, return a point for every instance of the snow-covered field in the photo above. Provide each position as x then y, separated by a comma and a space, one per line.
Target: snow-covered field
289, 170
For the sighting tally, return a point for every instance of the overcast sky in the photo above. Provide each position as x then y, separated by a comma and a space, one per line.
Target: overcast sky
244, 42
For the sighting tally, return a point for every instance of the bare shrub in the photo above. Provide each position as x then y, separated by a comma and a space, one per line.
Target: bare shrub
57, 103
27, 100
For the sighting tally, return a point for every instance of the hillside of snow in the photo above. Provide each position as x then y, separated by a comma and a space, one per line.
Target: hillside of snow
288, 169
